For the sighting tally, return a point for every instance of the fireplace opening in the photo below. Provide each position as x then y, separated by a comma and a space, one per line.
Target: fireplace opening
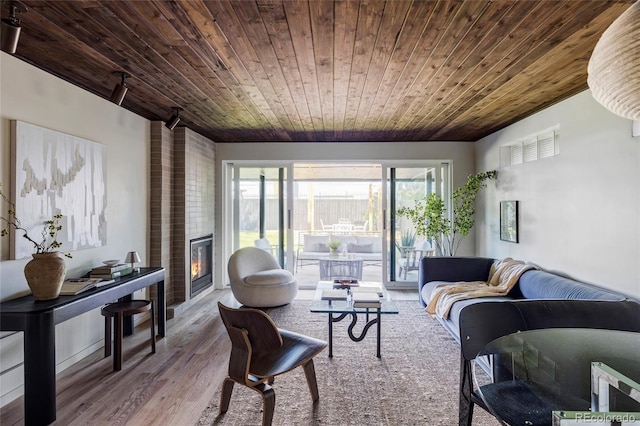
201, 264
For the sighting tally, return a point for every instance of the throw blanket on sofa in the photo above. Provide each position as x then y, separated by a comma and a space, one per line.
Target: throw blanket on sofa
503, 275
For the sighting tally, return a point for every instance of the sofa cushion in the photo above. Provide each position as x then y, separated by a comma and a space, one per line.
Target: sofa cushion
376, 242
269, 277
452, 323
545, 285
323, 248
312, 242
427, 289
360, 248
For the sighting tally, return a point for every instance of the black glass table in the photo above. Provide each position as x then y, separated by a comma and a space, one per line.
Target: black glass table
338, 310
534, 373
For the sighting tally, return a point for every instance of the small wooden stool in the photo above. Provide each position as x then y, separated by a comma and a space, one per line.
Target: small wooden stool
118, 310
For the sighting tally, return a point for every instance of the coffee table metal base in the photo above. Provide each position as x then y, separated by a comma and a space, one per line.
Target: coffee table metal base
354, 320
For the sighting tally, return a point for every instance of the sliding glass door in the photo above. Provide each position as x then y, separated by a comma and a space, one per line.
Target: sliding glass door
294, 210
259, 210
405, 185
338, 202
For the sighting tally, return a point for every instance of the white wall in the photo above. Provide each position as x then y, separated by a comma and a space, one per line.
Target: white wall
460, 153
33, 96
579, 211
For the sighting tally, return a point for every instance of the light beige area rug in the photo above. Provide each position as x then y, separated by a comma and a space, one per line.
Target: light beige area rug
414, 383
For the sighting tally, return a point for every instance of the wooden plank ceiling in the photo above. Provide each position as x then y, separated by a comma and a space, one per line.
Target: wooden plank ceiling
319, 70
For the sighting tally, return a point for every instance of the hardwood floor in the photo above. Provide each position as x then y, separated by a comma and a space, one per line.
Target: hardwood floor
171, 387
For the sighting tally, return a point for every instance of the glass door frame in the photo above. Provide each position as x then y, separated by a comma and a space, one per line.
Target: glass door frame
230, 212
230, 207
442, 188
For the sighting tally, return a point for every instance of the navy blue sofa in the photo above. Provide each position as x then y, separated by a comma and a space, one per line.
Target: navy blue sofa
540, 299
533, 285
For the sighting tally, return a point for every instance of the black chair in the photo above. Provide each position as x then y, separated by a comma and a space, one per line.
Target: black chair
474, 335
481, 323
260, 351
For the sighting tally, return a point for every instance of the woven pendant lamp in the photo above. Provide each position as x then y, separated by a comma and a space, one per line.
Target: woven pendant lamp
614, 67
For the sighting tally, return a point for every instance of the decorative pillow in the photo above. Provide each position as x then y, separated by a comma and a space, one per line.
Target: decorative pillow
360, 248
312, 242
322, 248
376, 241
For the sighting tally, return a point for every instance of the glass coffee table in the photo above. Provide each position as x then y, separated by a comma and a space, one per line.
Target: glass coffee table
338, 310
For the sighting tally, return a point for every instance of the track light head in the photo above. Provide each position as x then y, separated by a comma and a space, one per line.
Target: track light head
173, 121
119, 92
11, 26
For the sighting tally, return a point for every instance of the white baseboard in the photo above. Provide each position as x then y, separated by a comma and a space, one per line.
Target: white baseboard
16, 374
63, 365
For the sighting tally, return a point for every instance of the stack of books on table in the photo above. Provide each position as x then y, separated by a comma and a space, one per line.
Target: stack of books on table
336, 294
370, 288
345, 284
366, 299
74, 286
110, 272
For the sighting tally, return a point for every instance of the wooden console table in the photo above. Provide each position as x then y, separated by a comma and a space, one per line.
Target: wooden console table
37, 319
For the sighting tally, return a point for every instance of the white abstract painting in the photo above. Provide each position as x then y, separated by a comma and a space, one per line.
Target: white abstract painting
58, 173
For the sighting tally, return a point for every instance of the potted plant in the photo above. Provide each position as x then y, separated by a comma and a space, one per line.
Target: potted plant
408, 238
46, 271
333, 246
430, 218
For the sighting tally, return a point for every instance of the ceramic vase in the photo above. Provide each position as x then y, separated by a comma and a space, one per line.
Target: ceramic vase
45, 275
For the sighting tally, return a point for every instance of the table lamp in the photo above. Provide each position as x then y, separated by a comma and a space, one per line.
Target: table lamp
132, 257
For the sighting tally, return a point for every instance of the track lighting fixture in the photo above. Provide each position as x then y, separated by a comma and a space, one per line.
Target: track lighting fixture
173, 121
11, 26
119, 92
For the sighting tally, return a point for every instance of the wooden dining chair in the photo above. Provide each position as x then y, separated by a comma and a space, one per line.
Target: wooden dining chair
260, 351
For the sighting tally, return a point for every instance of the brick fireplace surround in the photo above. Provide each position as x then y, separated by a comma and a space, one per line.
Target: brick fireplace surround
181, 206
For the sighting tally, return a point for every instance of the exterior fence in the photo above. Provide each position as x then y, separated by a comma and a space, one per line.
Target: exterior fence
310, 215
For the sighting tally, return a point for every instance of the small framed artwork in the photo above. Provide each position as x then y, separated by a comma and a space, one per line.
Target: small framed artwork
509, 221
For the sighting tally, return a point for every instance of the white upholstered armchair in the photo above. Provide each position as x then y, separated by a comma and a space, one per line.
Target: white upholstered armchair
257, 280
